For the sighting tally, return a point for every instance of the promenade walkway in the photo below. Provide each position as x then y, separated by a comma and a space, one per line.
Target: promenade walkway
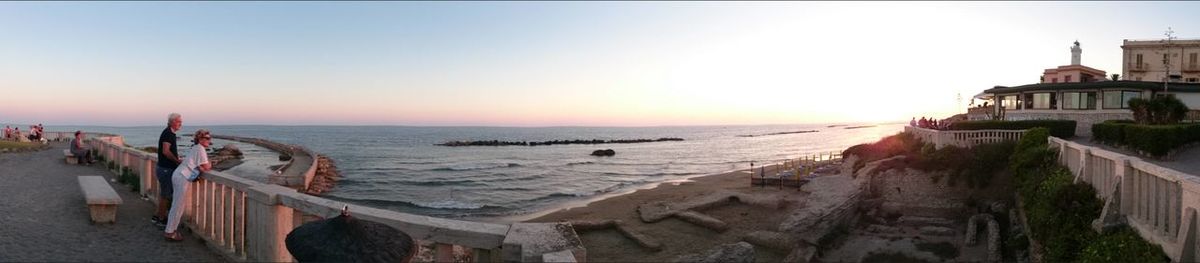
43, 217
1187, 161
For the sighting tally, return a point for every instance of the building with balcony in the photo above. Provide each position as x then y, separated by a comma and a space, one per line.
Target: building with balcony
1075, 72
1161, 60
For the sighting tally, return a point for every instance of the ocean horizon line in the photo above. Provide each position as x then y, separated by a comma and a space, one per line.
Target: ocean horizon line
465, 126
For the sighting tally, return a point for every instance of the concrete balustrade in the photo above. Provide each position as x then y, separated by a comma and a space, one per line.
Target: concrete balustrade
248, 221
965, 139
1157, 202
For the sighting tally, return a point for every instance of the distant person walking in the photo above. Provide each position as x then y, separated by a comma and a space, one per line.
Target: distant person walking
189, 170
81, 150
168, 160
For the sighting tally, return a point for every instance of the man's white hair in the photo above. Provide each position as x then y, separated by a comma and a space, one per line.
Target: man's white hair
171, 117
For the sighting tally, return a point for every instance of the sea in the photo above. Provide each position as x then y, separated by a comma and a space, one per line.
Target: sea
400, 168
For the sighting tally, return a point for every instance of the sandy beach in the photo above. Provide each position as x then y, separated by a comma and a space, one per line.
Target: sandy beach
679, 237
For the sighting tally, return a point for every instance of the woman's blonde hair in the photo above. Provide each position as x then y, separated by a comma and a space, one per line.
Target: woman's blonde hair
200, 133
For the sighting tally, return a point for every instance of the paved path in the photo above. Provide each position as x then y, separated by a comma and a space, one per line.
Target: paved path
1187, 161
43, 217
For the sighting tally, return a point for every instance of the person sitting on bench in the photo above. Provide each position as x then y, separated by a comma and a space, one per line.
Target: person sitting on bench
81, 150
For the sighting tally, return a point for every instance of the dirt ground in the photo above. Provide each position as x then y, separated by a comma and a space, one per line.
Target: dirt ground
677, 236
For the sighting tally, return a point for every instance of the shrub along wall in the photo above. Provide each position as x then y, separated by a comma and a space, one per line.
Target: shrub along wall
1060, 212
1155, 140
1058, 128
975, 165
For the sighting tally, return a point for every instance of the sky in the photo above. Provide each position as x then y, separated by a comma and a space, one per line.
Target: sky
542, 63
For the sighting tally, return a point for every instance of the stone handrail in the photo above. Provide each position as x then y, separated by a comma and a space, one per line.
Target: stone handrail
247, 220
1157, 202
963, 138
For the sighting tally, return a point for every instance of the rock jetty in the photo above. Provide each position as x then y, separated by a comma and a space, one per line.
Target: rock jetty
554, 142
776, 133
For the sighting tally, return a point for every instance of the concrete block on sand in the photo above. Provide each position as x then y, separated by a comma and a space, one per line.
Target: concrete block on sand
559, 256
527, 242
773, 240
653, 212
728, 253
936, 231
919, 221
803, 254
703, 220
589, 225
641, 239
882, 229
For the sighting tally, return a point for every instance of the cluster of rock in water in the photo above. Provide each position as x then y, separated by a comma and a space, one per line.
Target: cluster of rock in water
554, 142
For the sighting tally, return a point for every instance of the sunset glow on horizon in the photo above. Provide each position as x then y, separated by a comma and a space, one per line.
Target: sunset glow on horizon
542, 63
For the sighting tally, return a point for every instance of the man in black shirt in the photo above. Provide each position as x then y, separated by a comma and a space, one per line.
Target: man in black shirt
168, 159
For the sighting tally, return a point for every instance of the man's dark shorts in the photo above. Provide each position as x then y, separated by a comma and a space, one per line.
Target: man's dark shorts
164, 181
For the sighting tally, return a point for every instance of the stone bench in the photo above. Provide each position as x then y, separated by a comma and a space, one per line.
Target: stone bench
71, 159
102, 200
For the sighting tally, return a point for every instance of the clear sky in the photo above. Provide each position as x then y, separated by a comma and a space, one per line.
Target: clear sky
542, 63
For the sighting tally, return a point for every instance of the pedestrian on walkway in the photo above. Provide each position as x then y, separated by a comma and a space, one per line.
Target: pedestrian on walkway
168, 160
188, 171
80, 150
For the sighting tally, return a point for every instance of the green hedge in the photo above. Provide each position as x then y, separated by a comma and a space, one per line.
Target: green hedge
1060, 212
1156, 140
1109, 132
1058, 128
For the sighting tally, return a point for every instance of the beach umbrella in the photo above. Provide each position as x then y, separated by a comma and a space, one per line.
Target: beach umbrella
348, 239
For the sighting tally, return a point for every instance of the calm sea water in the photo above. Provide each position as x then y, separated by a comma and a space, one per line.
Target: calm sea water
400, 168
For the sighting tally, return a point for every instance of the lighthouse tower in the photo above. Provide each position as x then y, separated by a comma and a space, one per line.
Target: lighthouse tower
1075, 72
1075, 53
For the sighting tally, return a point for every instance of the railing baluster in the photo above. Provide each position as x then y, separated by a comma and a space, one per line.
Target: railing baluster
443, 252
219, 236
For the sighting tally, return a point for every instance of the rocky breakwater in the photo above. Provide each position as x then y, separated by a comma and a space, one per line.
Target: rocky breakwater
225, 157
307, 171
553, 142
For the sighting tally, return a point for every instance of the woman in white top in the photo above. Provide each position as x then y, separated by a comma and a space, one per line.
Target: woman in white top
189, 170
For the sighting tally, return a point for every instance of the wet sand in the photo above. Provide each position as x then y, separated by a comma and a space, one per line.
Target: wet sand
677, 236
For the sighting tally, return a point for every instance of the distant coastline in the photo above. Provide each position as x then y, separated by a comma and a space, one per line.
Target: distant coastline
776, 133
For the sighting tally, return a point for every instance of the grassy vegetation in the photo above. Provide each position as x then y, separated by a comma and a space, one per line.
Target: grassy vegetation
19, 146
975, 165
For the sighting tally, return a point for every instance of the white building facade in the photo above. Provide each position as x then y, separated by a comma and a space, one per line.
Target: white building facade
1158, 60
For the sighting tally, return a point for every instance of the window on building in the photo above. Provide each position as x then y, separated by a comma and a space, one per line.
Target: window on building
1192, 59
1054, 80
1115, 99
1138, 78
1067, 78
1193, 79
1139, 61
1039, 101
1009, 102
1079, 100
